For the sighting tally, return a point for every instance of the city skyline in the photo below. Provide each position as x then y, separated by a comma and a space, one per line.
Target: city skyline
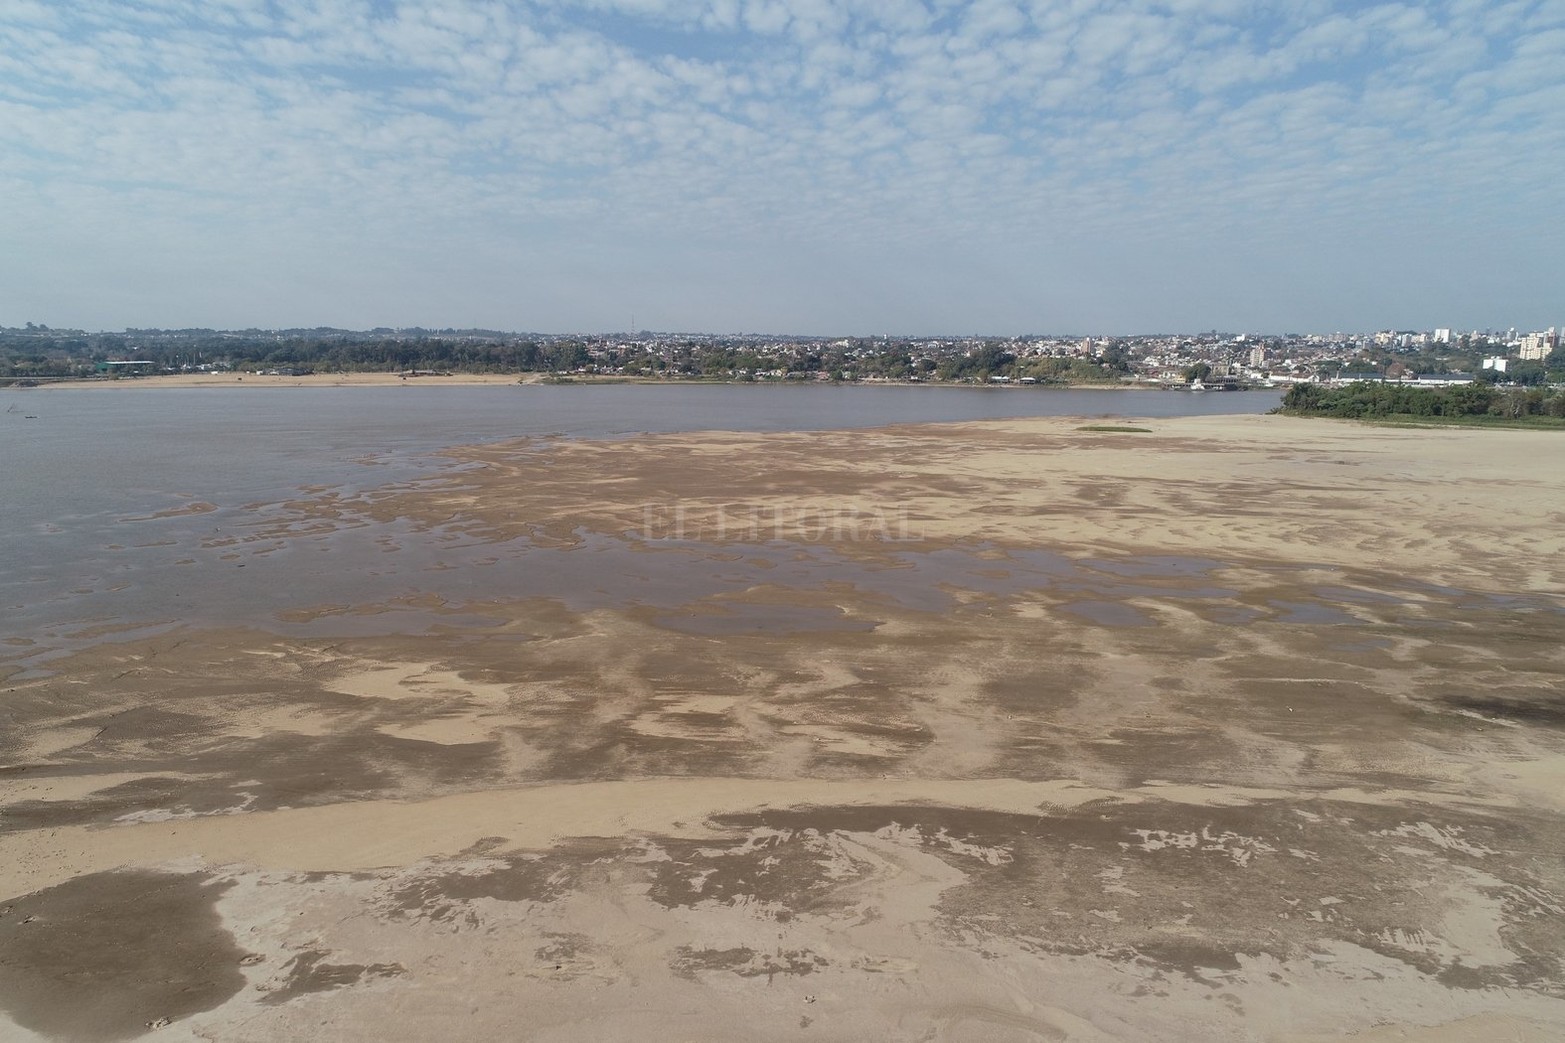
806, 168
1420, 333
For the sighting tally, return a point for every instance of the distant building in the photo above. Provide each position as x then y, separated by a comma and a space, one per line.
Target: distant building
1258, 356
1497, 363
1536, 347
1442, 336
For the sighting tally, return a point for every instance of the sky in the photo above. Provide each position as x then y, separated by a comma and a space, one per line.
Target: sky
830, 167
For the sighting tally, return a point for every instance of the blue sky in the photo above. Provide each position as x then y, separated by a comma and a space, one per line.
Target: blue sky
812, 166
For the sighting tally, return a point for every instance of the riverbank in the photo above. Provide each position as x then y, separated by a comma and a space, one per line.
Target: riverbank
318, 380
1228, 728
1522, 423
263, 380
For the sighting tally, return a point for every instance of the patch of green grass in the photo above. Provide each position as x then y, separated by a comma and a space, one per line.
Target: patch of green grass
1116, 429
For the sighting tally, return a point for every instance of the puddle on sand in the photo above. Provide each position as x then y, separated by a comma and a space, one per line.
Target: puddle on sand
1372, 644
1109, 613
104, 955
1231, 615
351, 566
1161, 566
1309, 612
1354, 596
734, 618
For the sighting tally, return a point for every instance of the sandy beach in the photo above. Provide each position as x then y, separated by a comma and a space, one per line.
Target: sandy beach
1211, 728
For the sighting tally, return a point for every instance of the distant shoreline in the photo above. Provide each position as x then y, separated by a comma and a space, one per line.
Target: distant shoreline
337, 380
257, 380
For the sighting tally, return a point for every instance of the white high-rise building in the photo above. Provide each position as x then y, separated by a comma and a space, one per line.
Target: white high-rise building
1442, 336
1536, 347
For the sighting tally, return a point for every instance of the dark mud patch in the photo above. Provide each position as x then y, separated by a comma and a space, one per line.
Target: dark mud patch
618, 749
129, 729
688, 961
1167, 753
1022, 692
1185, 889
124, 799
446, 896
734, 618
278, 770
308, 972
790, 862
1540, 708
1109, 613
106, 955
567, 956
791, 873
1193, 957
936, 826
1190, 889
288, 769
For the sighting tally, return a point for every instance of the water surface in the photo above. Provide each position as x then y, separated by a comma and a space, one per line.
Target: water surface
139, 504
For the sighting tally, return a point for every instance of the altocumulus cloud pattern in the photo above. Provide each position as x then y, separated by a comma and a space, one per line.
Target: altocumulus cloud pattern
810, 166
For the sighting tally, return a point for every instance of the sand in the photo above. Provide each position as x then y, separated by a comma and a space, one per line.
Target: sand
1246, 728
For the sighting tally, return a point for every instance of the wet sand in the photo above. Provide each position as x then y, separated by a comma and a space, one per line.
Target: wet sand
1243, 728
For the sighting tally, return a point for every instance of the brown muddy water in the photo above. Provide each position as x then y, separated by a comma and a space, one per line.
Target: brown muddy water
167, 504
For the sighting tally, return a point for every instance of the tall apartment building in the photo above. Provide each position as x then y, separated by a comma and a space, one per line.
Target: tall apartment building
1536, 346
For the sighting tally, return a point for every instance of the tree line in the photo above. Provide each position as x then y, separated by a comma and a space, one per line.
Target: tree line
47, 354
1369, 400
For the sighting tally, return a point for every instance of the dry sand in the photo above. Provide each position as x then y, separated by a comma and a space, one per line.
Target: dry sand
1247, 728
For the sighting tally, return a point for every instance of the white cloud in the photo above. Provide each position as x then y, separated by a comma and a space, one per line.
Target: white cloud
547, 139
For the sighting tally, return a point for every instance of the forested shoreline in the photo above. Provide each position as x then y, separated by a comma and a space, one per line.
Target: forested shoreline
1463, 403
